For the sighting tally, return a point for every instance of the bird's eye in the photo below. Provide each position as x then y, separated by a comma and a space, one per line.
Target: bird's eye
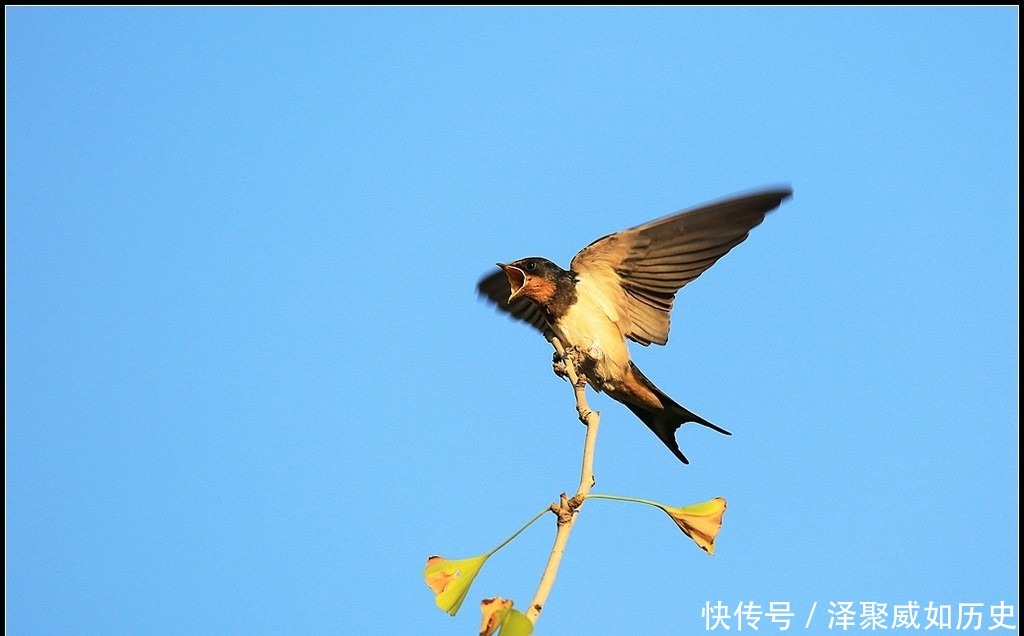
531, 265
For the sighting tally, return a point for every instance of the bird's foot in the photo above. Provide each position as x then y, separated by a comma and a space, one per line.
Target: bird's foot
574, 356
558, 366
581, 380
561, 363
574, 353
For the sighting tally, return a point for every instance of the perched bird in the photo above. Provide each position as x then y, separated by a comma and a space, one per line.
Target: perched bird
623, 286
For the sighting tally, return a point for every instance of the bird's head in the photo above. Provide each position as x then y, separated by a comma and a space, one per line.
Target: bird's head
533, 278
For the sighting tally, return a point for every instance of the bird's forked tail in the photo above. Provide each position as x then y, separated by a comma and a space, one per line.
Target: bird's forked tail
664, 421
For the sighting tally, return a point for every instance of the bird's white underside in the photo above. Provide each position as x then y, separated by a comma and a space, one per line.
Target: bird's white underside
602, 341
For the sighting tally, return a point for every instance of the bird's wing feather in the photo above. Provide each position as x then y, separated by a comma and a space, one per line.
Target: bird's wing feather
653, 261
496, 289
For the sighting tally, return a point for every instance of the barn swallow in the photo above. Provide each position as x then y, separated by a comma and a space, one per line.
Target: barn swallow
623, 286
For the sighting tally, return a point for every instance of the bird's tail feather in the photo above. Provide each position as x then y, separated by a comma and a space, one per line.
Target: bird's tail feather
666, 421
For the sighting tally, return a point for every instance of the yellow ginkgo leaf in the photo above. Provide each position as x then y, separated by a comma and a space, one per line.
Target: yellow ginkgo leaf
450, 580
701, 522
494, 610
502, 620
515, 624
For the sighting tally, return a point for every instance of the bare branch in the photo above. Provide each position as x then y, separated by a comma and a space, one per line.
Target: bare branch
566, 508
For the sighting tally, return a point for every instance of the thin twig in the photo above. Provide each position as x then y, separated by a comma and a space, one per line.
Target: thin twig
566, 509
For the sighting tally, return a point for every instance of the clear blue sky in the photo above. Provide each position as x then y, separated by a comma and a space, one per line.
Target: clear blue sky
250, 388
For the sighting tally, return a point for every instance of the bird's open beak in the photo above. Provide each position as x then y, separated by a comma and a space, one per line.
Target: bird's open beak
516, 279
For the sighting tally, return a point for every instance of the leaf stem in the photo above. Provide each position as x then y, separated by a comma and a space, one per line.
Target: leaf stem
631, 499
519, 531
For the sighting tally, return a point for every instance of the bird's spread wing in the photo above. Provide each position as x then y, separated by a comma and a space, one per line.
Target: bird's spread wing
495, 288
653, 261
